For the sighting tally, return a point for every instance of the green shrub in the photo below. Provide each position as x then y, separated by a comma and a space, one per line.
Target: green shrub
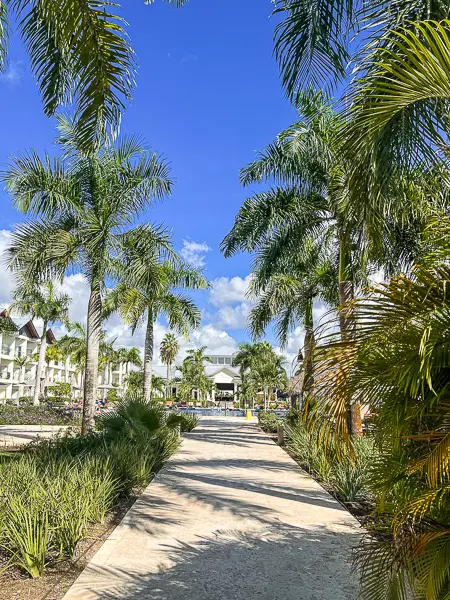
113, 396
348, 476
56, 487
269, 422
134, 417
188, 422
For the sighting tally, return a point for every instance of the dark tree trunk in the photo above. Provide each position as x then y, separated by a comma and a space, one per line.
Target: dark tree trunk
347, 324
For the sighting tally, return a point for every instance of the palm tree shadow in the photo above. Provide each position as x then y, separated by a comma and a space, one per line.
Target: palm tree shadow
276, 562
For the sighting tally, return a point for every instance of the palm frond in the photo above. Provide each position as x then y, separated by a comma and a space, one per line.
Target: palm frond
311, 42
80, 51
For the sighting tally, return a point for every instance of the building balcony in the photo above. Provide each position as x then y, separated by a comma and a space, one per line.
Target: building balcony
5, 375
7, 350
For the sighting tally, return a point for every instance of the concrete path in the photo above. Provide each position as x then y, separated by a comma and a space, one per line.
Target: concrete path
231, 517
17, 435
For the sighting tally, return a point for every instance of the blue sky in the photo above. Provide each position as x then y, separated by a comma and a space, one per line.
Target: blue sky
208, 95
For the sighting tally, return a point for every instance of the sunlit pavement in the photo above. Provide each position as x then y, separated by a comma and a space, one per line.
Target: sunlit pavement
231, 517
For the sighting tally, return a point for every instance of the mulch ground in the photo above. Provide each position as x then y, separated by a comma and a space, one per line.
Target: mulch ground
58, 577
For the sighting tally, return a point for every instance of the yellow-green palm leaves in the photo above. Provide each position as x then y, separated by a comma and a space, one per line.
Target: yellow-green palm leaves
397, 366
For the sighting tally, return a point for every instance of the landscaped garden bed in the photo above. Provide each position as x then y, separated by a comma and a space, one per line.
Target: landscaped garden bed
346, 478
60, 497
38, 415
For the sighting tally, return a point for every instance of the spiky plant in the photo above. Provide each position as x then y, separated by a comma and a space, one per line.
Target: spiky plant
397, 365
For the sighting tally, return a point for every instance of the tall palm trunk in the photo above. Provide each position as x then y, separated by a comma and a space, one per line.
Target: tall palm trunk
148, 357
94, 323
169, 377
308, 348
120, 376
347, 324
40, 365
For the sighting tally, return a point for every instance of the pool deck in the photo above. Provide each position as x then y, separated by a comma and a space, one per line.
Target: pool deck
231, 517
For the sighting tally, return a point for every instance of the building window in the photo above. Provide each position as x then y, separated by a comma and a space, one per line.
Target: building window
221, 360
228, 361
214, 360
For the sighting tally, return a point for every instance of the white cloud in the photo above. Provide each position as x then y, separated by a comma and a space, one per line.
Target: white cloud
233, 317
194, 253
229, 290
77, 288
212, 335
13, 74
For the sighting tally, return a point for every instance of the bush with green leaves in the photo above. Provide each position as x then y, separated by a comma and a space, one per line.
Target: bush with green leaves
52, 491
188, 422
269, 422
348, 476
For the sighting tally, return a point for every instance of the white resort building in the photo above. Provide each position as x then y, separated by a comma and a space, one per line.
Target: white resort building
18, 380
220, 371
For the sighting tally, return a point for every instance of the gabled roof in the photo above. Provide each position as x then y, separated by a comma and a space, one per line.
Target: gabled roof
29, 330
50, 337
212, 370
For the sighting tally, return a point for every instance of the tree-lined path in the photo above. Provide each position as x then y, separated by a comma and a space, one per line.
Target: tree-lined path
231, 517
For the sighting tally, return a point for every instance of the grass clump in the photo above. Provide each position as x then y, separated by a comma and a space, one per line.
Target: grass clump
188, 422
56, 488
348, 477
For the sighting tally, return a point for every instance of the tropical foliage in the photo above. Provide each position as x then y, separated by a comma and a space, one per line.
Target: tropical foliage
42, 302
168, 351
80, 54
58, 488
262, 372
393, 139
193, 376
150, 286
85, 206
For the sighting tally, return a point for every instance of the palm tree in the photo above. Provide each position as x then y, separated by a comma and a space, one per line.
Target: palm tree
168, 351
158, 385
148, 289
244, 358
78, 52
125, 358
41, 302
22, 362
267, 372
279, 224
87, 205
396, 364
193, 373
314, 46
287, 296
399, 116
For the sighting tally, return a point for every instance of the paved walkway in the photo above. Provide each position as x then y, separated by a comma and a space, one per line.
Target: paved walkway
17, 435
231, 517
